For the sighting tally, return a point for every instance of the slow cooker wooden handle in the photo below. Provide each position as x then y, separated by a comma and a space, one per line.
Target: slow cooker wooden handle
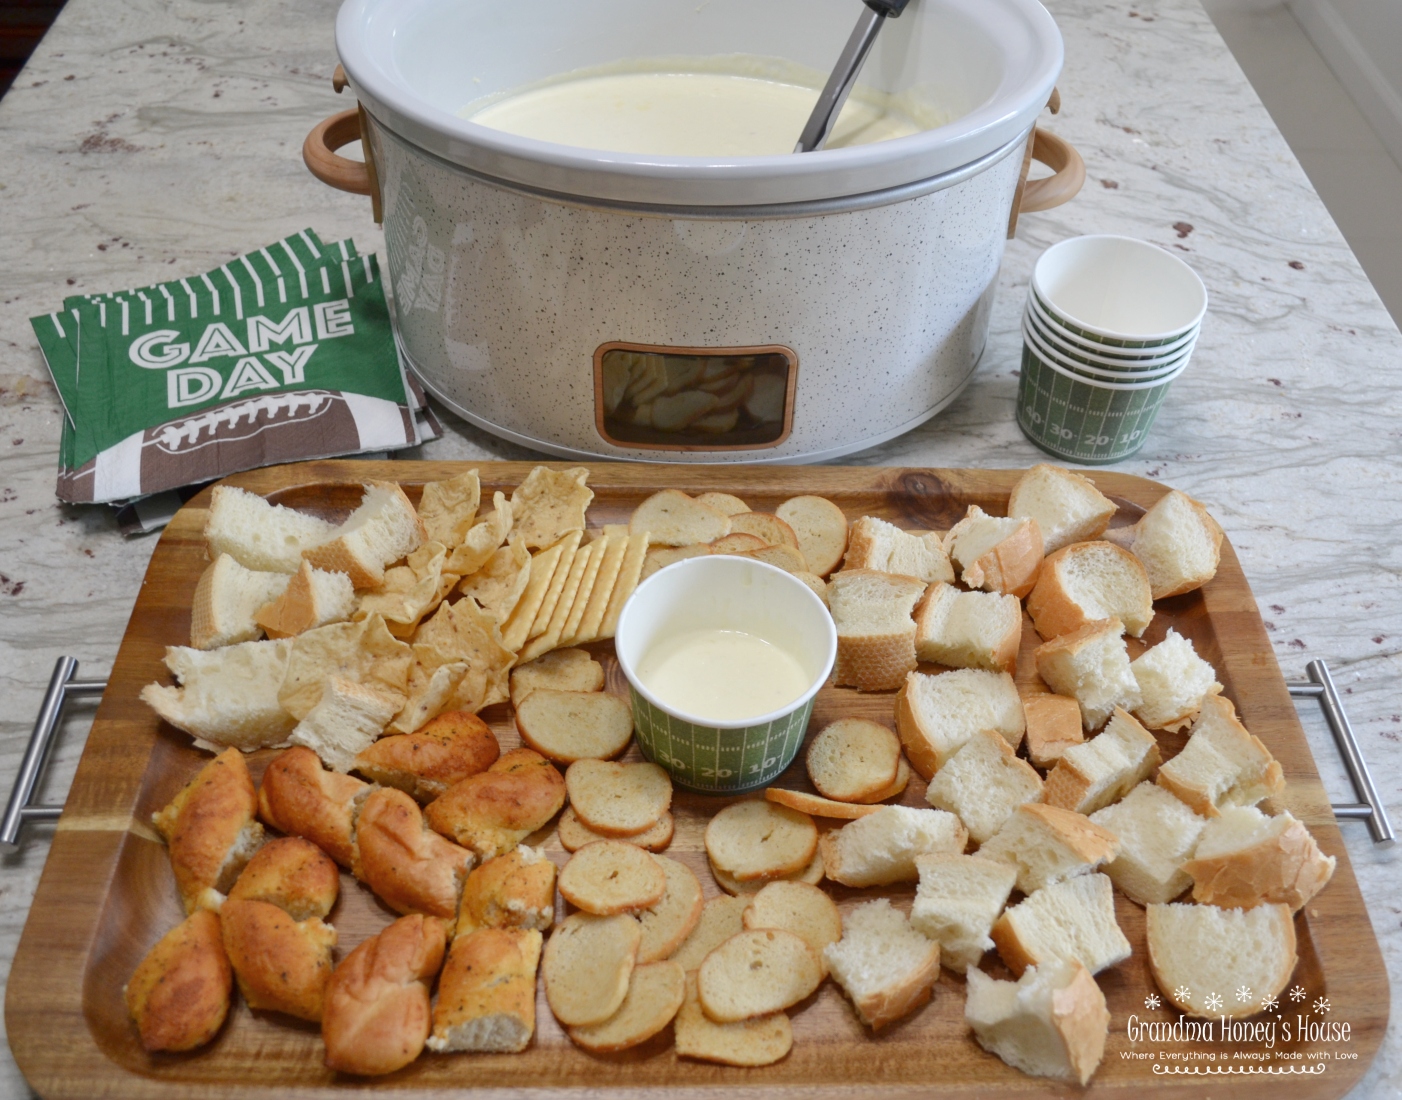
1061, 157
319, 152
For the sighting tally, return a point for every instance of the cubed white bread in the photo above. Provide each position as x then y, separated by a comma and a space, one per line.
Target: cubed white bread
886, 967
882, 848
259, 535
1179, 544
875, 633
1173, 681
1092, 666
1197, 949
968, 629
1245, 858
875, 544
1052, 1022
936, 715
1157, 834
956, 903
348, 719
1053, 726
1086, 582
1048, 844
227, 696
983, 783
1104, 769
1222, 764
999, 555
382, 530
1074, 919
311, 599
1067, 507
226, 599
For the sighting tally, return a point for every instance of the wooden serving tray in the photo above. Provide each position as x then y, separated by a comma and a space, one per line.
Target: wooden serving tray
107, 893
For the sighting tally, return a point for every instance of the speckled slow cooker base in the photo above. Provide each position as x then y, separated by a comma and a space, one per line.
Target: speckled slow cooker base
502, 298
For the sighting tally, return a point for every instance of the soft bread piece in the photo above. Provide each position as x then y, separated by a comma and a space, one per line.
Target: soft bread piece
1222, 764
760, 1041
852, 759
258, 535
612, 876
310, 599
757, 972
875, 633
816, 806
210, 830
1104, 769
1173, 681
281, 964
618, 799
377, 1013
574, 725
821, 529
550, 503
725, 503
1047, 844
1179, 544
956, 903
516, 890
811, 874
1074, 919
1245, 858
757, 839
486, 993
882, 848
968, 629
1197, 948
997, 555
1092, 666
301, 798
495, 810
449, 507
226, 599
561, 670
936, 715
409, 867
1157, 835
179, 993
425, 763
1067, 506
293, 874
1053, 726
671, 518
886, 967
799, 908
586, 966
346, 721
983, 783
655, 993
875, 544
1088, 581
228, 696
382, 530
721, 918
1052, 1022
574, 834
669, 921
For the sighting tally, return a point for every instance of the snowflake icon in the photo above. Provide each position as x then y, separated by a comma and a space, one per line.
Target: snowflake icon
1322, 1005
1243, 993
1270, 1004
1214, 1002
1298, 993
1183, 994
1152, 1001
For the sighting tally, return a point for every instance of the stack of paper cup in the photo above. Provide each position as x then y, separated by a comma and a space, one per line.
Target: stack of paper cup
1110, 323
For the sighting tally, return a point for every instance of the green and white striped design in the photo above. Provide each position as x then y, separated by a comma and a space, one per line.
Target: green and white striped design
719, 761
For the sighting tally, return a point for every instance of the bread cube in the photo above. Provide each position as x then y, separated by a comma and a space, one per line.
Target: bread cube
1047, 844
1173, 681
998, 555
1092, 666
1088, 581
1067, 507
968, 629
1245, 858
1222, 764
935, 715
886, 967
1105, 768
875, 544
1074, 919
956, 903
1157, 834
875, 633
983, 783
1053, 726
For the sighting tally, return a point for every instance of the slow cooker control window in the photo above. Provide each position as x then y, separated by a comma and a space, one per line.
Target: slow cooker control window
695, 399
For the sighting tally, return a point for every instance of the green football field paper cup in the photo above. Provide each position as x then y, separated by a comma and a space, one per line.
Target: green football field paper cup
729, 594
1090, 366
1119, 358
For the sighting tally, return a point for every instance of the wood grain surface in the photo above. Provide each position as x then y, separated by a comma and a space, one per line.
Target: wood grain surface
107, 893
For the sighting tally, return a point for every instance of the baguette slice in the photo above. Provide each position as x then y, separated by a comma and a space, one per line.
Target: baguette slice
258, 535
984, 782
655, 993
587, 965
1048, 844
1067, 507
1074, 919
1222, 764
875, 544
1092, 666
1050, 1023
821, 529
800, 908
561, 670
936, 715
671, 518
1173, 680
968, 629
1245, 858
756, 972
311, 599
852, 759
760, 1041
227, 598
486, 993
226, 696
882, 848
998, 555
885, 966
875, 633
1197, 949
382, 530
1053, 726
956, 903
347, 720
1088, 581
1179, 544
574, 725
1104, 769
1157, 835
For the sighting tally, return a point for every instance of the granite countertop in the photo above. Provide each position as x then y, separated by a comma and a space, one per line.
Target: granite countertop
156, 138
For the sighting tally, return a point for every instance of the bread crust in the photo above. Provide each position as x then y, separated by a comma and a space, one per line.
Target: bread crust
1082, 1020
515, 890
179, 993
1053, 726
301, 798
409, 867
1287, 869
816, 806
918, 748
1169, 983
425, 763
489, 973
281, 965
293, 874
1054, 612
1011, 566
877, 662
495, 810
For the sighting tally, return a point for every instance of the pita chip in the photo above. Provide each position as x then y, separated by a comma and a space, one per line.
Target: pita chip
448, 508
482, 539
410, 591
365, 653
499, 585
431, 690
549, 504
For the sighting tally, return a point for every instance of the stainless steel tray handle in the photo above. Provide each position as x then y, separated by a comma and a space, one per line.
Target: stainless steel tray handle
19, 812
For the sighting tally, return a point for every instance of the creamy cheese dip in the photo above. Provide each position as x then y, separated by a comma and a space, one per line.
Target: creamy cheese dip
722, 675
690, 114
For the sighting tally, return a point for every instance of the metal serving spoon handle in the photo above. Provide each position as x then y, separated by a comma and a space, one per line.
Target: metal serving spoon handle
844, 73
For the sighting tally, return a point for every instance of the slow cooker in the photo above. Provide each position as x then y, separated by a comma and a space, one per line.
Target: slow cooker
788, 308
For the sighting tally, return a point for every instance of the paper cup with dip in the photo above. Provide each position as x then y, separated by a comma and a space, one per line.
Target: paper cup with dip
724, 657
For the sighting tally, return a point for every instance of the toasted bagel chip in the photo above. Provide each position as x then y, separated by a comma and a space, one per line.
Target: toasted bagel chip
799, 908
816, 805
671, 920
821, 529
811, 874
671, 518
723, 503
756, 839
618, 799
659, 557
574, 834
587, 964
766, 526
897, 785
575, 725
560, 670
760, 1041
755, 973
721, 918
852, 759
612, 876
655, 992
737, 542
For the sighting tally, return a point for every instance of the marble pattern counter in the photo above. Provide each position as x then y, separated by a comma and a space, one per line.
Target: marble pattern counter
158, 137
